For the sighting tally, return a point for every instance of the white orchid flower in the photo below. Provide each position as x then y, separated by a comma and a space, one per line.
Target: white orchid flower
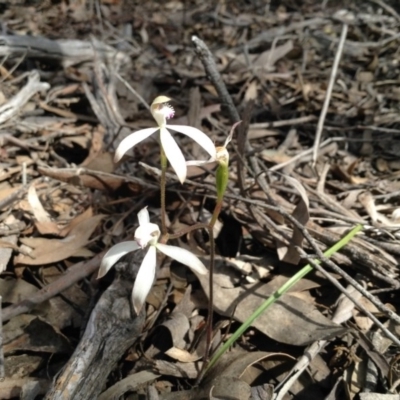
147, 235
161, 111
220, 154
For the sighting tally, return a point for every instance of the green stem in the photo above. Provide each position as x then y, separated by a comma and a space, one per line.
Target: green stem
216, 212
275, 296
221, 183
211, 295
164, 165
209, 324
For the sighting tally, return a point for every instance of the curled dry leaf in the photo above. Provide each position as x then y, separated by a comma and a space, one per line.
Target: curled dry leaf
46, 251
289, 253
182, 355
44, 223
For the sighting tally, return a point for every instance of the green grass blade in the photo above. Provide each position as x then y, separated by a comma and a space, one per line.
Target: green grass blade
278, 293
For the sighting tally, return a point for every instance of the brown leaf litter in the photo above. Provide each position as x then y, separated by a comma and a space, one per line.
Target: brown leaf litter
317, 152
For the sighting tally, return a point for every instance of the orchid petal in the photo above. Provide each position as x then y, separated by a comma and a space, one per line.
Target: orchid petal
183, 256
197, 135
114, 254
147, 234
143, 216
230, 136
160, 100
161, 110
198, 163
173, 153
132, 140
144, 279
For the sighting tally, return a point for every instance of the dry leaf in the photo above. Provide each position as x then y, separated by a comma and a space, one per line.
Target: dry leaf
44, 224
182, 355
290, 320
7, 245
301, 213
46, 251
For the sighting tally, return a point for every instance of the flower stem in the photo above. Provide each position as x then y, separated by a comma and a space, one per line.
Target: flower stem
209, 325
216, 212
211, 296
164, 164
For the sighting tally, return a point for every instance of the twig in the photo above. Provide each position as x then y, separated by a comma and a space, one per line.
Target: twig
69, 52
71, 276
328, 95
7, 201
210, 67
132, 90
16, 103
387, 8
339, 286
285, 122
389, 313
274, 207
339, 317
2, 371
272, 33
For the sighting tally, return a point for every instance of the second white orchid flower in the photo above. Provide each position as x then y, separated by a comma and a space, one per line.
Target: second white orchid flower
162, 111
147, 235
220, 154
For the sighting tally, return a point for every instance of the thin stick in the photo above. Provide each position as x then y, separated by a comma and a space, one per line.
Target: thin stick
328, 95
72, 275
304, 361
2, 371
345, 291
132, 90
211, 295
164, 165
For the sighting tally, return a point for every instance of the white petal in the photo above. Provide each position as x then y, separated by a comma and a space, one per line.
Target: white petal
174, 154
143, 216
114, 254
230, 136
197, 135
147, 234
183, 256
132, 140
144, 279
197, 163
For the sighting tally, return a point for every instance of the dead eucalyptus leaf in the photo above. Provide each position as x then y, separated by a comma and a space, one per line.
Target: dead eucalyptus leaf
290, 320
289, 253
182, 355
43, 223
15, 290
46, 251
7, 245
31, 333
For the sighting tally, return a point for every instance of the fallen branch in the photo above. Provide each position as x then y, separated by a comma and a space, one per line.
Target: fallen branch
69, 52
111, 330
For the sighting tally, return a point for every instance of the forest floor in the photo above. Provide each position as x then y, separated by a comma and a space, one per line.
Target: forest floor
317, 88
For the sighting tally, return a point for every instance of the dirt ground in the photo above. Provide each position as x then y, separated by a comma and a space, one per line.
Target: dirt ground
316, 86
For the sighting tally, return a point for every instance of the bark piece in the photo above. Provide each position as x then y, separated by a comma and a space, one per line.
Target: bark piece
111, 330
